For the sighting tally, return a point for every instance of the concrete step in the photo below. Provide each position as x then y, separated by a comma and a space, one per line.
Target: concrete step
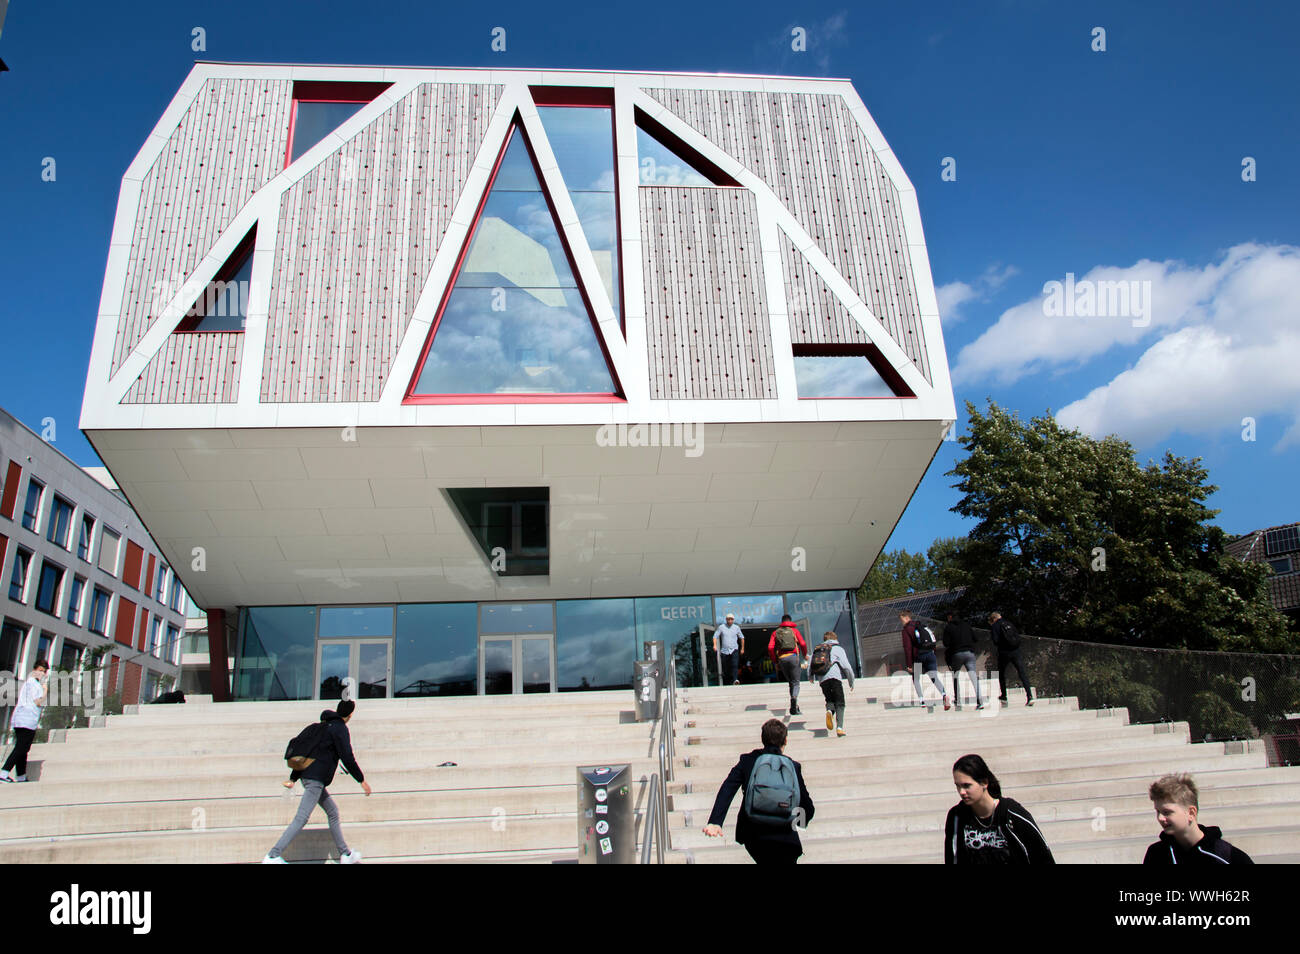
1215, 787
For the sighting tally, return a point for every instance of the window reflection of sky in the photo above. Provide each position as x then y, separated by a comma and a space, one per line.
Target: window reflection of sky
515, 322
312, 122
582, 140
838, 377
595, 643
659, 165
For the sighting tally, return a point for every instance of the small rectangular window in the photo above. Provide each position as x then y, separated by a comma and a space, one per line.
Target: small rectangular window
99, 611
86, 537
44, 645
47, 590
178, 594
108, 547
160, 583
1281, 566
18, 581
70, 656
75, 595
155, 630
13, 641
32, 509
173, 644
60, 522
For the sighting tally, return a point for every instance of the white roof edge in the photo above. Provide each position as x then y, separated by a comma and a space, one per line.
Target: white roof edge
532, 70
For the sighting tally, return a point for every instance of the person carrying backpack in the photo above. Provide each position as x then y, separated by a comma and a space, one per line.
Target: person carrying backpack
829, 666
776, 804
787, 649
332, 745
918, 650
1006, 638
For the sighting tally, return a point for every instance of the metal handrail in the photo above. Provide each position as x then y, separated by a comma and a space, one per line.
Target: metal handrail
656, 824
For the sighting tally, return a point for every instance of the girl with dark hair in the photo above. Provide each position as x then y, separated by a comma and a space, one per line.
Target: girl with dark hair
985, 828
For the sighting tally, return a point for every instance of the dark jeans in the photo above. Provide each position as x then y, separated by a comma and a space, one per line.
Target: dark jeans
18, 757
1012, 659
791, 672
833, 690
730, 667
765, 853
927, 663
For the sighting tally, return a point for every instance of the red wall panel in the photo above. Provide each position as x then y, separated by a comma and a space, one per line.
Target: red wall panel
134, 560
131, 684
125, 627
10, 498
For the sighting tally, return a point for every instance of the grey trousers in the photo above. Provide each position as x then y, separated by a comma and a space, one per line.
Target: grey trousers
966, 660
313, 793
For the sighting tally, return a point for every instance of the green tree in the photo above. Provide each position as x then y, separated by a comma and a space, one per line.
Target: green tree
1076, 539
896, 573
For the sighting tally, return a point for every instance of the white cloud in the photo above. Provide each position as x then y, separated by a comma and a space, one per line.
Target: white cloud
1227, 347
954, 295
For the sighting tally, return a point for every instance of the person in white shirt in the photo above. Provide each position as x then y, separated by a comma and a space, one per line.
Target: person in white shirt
730, 642
27, 715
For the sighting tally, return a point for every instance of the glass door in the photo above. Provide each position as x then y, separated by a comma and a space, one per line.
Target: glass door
362, 666
512, 665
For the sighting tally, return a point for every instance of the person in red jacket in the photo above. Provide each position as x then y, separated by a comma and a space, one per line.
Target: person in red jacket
789, 658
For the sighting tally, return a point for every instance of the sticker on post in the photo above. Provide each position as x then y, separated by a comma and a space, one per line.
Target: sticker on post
602, 827
606, 847
600, 810
601, 794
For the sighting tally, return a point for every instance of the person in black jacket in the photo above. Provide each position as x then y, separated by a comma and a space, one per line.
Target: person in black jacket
1184, 841
959, 653
1006, 638
337, 747
765, 843
986, 829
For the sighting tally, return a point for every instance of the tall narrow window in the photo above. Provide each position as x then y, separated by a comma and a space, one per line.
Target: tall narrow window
32, 509
582, 139
47, 591
18, 581
75, 594
60, 522
99, 611
515, 321
86, 536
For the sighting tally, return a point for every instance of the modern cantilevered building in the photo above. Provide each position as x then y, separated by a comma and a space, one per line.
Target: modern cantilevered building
470, 381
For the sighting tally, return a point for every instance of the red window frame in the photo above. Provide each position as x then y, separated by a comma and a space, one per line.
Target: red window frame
688, 154
871, 353
313, 91
190, 323
10, 499
613, 397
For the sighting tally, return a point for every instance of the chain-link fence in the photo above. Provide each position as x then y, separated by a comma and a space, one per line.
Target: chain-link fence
1222, 696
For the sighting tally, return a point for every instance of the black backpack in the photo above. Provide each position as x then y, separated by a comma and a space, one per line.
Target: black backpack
821, 659
302, 747
925, 640
1009, 636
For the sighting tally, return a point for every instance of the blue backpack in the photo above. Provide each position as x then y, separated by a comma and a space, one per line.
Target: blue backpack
772, 793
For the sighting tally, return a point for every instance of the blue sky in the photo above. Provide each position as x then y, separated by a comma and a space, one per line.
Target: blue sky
1124, 164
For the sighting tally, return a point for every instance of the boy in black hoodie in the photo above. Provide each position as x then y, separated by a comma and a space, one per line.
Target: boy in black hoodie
337, 747
1183, 841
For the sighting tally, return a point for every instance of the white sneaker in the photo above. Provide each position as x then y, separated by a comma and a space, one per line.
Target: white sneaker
268, 860
351, 858
17, 778
5, 776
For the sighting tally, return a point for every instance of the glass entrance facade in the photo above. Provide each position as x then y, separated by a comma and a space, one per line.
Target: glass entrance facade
455, 649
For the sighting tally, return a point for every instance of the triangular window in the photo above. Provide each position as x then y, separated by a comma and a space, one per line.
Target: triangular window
320, 108
515, 321
223, 306
664, 159
845, 371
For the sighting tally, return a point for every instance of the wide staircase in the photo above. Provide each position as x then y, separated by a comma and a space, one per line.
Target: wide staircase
201, 782
882, 792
